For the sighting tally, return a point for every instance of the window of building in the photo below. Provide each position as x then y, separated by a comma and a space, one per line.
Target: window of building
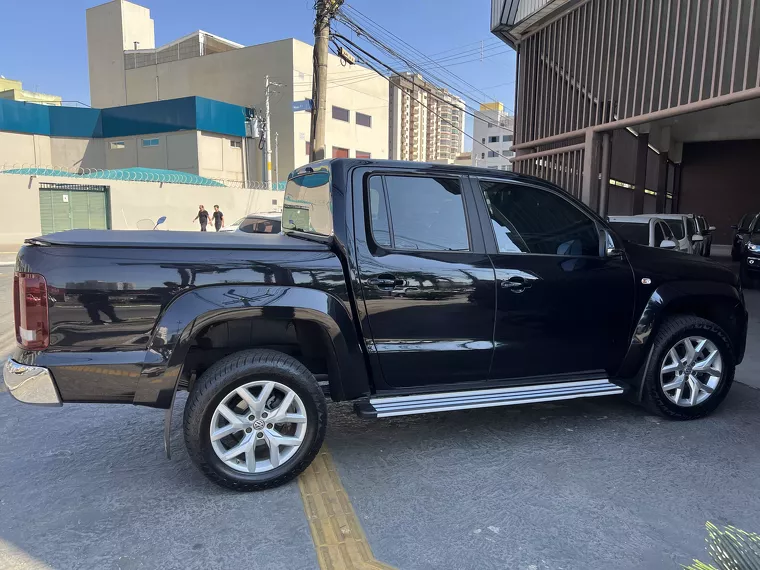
412, 200
493, 139
483, 140
308, 149
362, 154
117, 145
338, 152
482, 155
341, 114
150, 142
274, 201
363, 120
490, 125
506, 138
492, 154
533, 220
236, 144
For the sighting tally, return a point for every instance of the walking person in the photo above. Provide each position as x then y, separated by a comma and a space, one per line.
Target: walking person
218, 217
202, 217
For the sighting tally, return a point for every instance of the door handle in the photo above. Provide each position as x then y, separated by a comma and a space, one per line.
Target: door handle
384, 282
516, 284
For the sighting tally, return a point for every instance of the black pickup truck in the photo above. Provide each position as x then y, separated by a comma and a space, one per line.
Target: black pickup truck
404, 287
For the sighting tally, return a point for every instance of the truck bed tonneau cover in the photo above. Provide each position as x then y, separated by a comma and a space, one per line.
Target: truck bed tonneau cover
176, 240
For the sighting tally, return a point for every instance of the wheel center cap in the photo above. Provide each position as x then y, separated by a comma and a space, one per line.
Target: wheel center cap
258, 424
688, 370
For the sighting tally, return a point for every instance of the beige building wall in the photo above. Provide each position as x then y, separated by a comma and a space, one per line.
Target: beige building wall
132, 202
238, 77
112, 28
219, 158
77, 153
20, 148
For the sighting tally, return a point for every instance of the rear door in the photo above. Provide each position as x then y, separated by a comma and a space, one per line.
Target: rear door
563, 308
427, 283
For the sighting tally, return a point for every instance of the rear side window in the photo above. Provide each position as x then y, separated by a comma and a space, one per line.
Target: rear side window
418, 213
539, 221
691, 227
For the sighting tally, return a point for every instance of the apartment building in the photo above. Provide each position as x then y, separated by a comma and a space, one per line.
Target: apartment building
13, 90
493, 134
127, 68
426, 121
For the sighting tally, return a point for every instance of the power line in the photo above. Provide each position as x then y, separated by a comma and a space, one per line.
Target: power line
483, 43
465, 111
365, 62
346, 20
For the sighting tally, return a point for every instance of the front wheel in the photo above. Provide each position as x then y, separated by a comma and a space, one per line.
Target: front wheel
255, 420
691, 369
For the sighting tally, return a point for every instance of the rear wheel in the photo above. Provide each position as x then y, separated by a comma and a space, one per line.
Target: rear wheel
255, 420
691, 369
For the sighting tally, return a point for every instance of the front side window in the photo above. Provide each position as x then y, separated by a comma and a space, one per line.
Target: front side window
425, 214
539, 221
659, 236
633, 232
691, 228
676, 227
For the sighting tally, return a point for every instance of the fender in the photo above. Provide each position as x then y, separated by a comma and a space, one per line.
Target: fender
637, 357
194, 310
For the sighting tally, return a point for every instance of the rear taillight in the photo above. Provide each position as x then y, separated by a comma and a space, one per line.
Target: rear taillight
30, 307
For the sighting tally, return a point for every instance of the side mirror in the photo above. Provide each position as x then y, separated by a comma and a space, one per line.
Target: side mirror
668, 244
697, 237
160, 221
711, 229
607, 245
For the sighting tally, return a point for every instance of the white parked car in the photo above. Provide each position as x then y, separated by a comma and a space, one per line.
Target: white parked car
265, 223
685, 230
650, 231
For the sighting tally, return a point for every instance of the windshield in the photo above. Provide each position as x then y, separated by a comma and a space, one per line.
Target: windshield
308, 204
633, 232
677, 227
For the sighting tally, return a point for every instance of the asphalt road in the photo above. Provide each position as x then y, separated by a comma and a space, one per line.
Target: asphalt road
586, 484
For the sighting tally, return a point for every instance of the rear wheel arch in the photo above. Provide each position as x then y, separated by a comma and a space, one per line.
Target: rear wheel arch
194, 312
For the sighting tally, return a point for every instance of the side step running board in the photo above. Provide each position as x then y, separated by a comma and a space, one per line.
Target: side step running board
463, 400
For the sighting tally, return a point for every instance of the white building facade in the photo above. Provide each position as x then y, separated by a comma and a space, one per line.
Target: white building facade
426, 121
493, 134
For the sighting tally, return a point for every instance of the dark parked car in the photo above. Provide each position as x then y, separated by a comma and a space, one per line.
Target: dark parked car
706, 231
741, 234
749, 256
405, 287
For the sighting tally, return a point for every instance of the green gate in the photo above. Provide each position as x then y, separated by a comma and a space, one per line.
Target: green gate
74, 206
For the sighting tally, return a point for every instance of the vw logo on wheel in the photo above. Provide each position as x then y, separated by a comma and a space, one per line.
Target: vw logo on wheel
259, 424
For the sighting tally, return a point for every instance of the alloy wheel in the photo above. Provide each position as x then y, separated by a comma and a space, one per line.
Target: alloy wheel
258, 426
691, 371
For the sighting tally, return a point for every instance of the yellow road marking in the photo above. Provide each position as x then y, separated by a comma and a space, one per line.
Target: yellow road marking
335, 528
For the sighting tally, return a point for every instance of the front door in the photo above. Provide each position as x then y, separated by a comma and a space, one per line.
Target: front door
563, 307
427, 284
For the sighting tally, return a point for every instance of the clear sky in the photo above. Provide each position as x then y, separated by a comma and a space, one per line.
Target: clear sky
50, 43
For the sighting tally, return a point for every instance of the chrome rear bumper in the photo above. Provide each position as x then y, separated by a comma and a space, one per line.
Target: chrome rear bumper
30, 384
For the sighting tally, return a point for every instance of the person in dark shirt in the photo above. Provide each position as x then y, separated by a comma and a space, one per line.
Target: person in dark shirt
202, 217
218, 218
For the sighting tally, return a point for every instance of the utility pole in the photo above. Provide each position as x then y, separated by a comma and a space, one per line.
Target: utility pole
267, 150
276, 160
268, 131
325, 11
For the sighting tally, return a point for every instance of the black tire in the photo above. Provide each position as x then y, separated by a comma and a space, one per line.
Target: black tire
671, 331
226, 375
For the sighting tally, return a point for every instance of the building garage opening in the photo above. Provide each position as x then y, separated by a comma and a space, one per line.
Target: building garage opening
74, 206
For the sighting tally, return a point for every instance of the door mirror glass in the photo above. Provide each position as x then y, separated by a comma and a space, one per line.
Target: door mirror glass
697, 237
668, 244
608, 246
